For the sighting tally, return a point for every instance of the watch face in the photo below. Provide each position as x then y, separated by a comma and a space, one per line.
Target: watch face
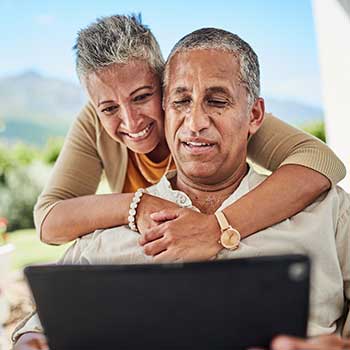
230, 238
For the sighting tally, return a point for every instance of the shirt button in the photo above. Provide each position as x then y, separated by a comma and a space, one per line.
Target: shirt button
181, 200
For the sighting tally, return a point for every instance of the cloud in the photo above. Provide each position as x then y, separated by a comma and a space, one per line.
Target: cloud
44, 19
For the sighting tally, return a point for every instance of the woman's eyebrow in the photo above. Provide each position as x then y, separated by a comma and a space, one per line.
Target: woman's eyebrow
103, 102
141, 88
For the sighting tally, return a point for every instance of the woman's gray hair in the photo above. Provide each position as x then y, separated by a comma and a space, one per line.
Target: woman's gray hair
213, 38
116, 39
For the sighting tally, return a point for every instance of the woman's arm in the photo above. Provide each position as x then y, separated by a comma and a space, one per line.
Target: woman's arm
287, 191
303, 166
277, 143
68, 206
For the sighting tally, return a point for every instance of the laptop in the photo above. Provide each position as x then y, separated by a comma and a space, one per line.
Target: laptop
226, 304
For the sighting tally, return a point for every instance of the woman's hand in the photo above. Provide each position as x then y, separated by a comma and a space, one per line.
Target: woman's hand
181, 235
31, 341
148, 205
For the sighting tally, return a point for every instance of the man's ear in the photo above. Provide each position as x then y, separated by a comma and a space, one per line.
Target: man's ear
256, 115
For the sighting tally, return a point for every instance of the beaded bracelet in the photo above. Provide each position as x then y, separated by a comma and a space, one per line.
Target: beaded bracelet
133, 206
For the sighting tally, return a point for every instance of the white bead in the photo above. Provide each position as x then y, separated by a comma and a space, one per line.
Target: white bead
132, 209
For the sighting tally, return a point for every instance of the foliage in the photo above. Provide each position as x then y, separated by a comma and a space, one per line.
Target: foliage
6, 163
24, 154
22, 177
317, 129
52, 150
16, 156
19, 194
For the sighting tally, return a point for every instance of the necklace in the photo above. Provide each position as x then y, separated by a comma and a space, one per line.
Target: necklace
143, 170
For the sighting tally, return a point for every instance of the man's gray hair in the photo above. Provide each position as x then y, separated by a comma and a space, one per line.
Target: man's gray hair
116, 39
218, 39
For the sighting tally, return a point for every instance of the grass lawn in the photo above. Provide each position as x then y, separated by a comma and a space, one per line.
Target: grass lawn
29, 250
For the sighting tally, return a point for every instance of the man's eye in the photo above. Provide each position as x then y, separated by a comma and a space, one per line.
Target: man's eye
110, 110
217, 103
182, 102
142, 97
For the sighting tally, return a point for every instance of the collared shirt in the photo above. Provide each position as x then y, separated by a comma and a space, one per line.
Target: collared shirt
322, 231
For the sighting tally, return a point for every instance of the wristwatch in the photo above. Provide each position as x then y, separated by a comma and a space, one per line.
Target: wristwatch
230, 237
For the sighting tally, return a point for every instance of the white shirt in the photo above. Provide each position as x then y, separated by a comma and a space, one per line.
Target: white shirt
321, 231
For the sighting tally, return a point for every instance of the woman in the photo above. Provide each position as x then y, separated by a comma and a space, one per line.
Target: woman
121, 133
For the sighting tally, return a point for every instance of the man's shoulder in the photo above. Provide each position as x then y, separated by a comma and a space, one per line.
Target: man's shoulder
343, 201
255, 177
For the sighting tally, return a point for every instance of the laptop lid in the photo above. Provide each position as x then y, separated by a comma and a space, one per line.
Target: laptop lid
230, 304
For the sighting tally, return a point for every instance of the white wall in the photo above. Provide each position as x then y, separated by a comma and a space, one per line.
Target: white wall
332, 20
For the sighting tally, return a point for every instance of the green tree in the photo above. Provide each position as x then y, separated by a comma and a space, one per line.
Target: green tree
6, 163
24, 154
317, 129
52, 150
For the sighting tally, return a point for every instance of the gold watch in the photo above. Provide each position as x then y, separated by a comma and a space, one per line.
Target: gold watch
230, 237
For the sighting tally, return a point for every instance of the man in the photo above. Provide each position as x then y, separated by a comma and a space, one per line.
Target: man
212, 105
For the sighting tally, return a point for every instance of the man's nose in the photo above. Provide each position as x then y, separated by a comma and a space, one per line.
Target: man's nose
129, 118
198, 118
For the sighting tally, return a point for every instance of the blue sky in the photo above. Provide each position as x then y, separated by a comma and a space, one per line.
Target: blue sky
38, 35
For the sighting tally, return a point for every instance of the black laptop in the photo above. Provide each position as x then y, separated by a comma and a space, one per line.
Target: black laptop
230, 304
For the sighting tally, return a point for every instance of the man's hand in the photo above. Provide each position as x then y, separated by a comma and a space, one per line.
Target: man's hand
325, 342
31, 341
150, 204
182, 235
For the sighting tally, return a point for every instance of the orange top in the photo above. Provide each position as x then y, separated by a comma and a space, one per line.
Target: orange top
143, 172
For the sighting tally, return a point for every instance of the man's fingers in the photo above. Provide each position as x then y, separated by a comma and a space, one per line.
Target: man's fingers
163, 257
155, 247
43, 343
291, 343
31, 341
151, 235
327, 342
165, 215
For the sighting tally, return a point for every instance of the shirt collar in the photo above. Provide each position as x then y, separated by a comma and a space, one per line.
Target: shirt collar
180, 198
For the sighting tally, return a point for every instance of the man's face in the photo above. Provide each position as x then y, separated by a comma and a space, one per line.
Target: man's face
207, 121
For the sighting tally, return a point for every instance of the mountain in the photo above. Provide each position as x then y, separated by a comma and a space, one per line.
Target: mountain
43, 100
34, 107
292, 112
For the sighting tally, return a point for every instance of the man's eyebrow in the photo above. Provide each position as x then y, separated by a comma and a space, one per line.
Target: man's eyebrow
179, 90
217, 89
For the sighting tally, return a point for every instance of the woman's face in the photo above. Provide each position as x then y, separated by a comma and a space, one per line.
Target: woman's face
127, 98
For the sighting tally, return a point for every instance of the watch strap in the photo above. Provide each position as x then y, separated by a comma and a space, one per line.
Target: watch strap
223, 223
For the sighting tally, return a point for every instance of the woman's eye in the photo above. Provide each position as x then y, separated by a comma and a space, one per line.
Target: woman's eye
109, 110
142, 97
